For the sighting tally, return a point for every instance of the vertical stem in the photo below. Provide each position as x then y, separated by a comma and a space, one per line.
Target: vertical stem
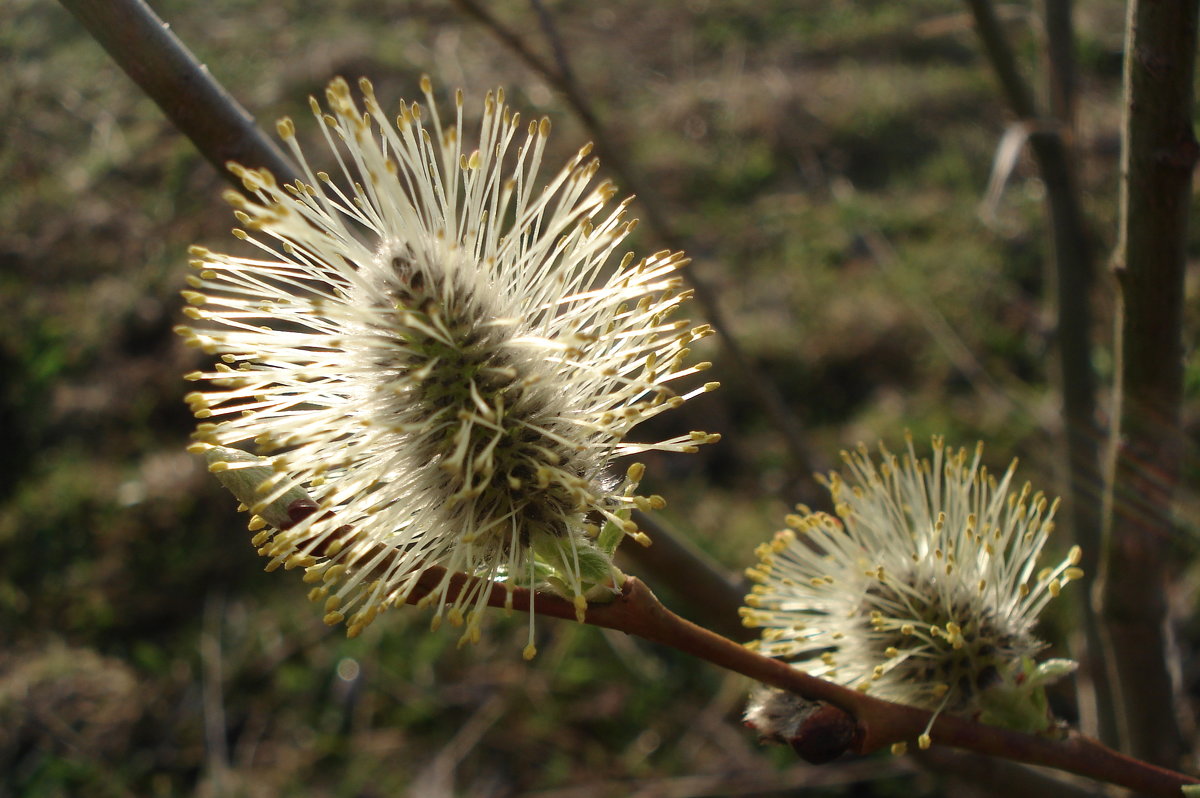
1060, 57
1073, 283
1158, 155
1072, 263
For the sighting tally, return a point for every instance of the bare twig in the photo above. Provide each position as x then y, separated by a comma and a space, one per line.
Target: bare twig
1000, 56
1073, 270
158, 62
876, 723
763, 389
1159, 153
869, 722
706, 588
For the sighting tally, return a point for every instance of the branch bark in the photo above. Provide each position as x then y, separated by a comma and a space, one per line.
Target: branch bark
871, 723
1159, 154
879, 723
1059, 28
707, 589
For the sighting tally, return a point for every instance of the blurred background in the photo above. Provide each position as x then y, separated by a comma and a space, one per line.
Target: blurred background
826, 165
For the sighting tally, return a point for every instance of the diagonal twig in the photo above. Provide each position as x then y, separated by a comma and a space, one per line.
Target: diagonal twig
872, 723
636, 611
879, 723
158, 62
561, 78
706, 588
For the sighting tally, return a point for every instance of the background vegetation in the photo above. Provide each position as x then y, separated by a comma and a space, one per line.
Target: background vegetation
826, 163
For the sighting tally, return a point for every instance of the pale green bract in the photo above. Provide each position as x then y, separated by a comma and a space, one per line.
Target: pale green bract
1019, 702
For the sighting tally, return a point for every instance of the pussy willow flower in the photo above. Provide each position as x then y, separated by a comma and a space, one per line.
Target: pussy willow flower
925, 589
437, 347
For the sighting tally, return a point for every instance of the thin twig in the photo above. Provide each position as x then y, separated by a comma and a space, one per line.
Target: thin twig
703, 585
1076, 377
1073, 272
158, 62
877, 723
748, 374
1000, 56
1159, 153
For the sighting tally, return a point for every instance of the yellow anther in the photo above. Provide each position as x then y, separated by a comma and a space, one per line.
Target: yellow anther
580, 607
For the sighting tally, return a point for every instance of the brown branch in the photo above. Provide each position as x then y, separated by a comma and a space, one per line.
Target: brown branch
748, 374
1000, 56
1073, 269
635, 610
706, 588
1159, 153
159, 63
546, 21
879, 723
